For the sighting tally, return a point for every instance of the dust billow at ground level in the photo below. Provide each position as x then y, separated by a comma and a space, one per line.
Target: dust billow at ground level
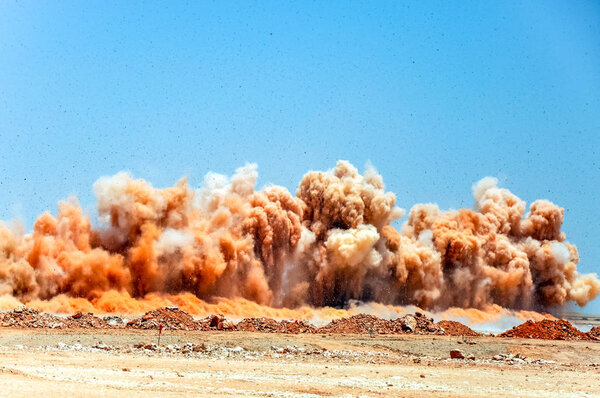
127, 363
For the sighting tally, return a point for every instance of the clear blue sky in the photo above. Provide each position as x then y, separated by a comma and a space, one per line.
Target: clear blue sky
435, 96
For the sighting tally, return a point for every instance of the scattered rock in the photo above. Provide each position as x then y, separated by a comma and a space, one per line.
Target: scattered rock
456, 354
104, 347
198, 347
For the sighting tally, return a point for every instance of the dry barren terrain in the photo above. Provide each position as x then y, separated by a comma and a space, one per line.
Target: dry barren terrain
128, 363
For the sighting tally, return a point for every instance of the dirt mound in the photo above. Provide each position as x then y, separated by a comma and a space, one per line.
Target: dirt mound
361, 323
258, 325
268, 325
453, 328
546, 329
30, 318
296, 327
169, 317
416, 323
594, 333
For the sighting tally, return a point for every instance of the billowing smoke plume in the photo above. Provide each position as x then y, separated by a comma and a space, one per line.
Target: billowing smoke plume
329, 244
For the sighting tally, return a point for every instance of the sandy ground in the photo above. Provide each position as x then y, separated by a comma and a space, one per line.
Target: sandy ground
108, 364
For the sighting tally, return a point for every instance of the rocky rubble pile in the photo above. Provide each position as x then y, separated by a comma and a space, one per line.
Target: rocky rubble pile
85, 321
30, 318
546, 329
362, 323
418, 323
215, 322
594, 333
175, 319
453, 328
266, 325
272, 326
168, 317
295, 327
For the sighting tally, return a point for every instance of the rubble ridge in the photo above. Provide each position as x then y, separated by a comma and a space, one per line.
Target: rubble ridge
172, 318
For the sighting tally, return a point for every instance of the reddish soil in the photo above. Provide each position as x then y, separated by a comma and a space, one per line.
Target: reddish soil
362, 323
175, 319
546, 329
272, 326
30, 318
168, 317
85, 321
594, 333
453, 328
215, 322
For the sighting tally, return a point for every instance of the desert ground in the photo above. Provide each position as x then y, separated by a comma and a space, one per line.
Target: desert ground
129, 363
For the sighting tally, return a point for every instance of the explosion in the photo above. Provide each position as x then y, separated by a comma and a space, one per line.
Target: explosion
330, 244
